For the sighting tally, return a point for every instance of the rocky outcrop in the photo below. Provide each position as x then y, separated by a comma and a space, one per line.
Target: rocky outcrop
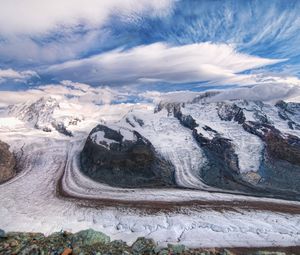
60, 128
7, 163
280, 167
229, 112
111, 158
222, 169
94, 242
287, 111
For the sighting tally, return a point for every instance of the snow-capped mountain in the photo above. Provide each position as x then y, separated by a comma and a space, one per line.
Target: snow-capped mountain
46, 114
243, 146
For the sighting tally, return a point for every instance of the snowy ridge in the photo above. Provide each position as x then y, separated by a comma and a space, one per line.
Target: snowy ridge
247, 146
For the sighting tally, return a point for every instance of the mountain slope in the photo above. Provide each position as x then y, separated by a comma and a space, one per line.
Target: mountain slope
242, 146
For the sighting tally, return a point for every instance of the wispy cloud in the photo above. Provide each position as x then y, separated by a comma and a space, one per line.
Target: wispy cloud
17, 76
43, 32
39, 17
218, 63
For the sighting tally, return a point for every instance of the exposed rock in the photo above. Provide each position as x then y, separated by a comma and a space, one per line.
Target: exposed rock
176, 248
32, 250
60, 128
222, 169
280, 167
137, 120
7, 163
143, 246
204, 97
119, 161
287, 111
2, 233
230, 112
89, 237
185, 120
170, 107
59, 244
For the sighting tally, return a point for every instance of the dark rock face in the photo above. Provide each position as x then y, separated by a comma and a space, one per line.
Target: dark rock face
60, 127
204, 96
125, 163
229, 112
280, 167
7, 163
287, 111
222, 169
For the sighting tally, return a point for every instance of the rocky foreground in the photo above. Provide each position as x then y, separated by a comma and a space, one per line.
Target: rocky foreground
93, 242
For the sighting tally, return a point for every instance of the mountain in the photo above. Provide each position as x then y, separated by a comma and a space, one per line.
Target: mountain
239, 146
45, 114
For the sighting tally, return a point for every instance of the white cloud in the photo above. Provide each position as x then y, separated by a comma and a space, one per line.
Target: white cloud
35, 16
82, 94
10, 74
161, 62
45, 32
270, 92
267, 88
72, 91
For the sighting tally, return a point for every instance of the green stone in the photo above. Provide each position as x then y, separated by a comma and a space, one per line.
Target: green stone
177, 248
143, 246
90, 237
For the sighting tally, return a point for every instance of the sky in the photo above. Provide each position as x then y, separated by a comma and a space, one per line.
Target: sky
150, 45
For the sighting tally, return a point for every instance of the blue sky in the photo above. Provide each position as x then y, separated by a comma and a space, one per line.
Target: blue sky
149, 45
